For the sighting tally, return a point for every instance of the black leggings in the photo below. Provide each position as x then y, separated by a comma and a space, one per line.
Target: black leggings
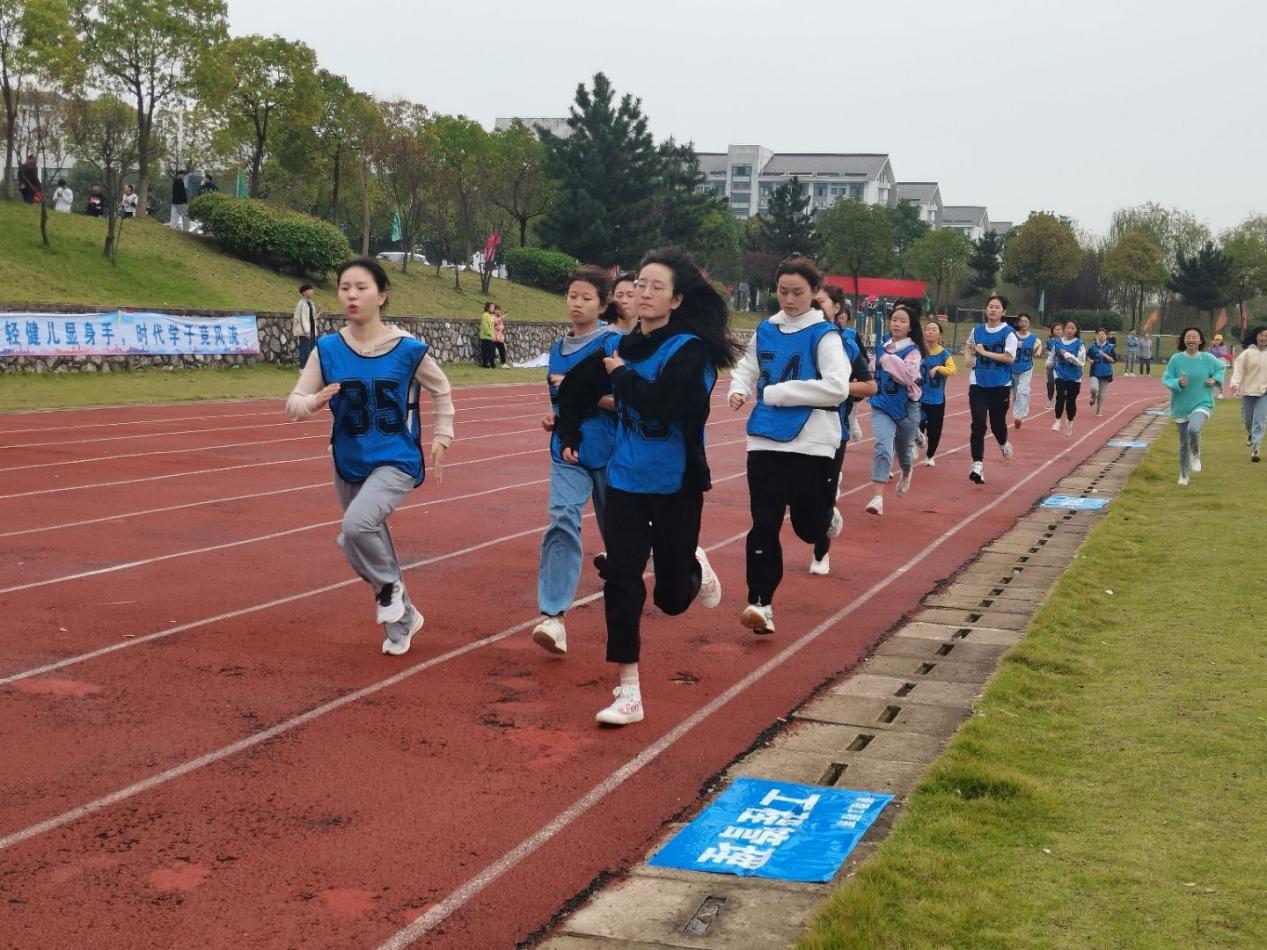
1067, 397
488, 354
987, 403
931, 417
784, 482
636, 525
1051, 386
501, 350
823, 544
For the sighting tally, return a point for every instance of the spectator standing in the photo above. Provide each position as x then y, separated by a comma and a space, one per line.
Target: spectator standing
488, 338
29, 179
304, 325
180, 203
499, 335
1145, 355
131, 201
1132, 353
63, 197
96, 202
208, 184
1249, 381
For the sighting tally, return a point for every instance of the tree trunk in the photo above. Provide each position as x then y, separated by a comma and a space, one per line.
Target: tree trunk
365, 208
523, 232
334, 191
457, 278
143, 128
10, 124
44, 221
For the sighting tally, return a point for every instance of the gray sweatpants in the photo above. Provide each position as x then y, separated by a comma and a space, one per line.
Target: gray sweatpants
366, 507
1190, 439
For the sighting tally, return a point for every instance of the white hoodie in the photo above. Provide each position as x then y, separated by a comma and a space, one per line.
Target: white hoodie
821, 433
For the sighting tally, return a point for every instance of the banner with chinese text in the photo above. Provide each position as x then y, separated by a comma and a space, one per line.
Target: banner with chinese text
126, 333
758, 828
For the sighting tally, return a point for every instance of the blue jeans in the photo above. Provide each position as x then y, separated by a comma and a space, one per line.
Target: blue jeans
571, 486
893, 438
1254, 415
305, 347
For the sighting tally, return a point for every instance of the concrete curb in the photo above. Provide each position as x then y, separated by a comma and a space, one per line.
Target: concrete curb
878, 728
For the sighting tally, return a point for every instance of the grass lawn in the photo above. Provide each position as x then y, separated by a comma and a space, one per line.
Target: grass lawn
1110, 792
158, 267
61, 390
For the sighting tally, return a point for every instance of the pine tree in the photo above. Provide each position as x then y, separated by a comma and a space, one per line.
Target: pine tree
787, 226
1203, 280
984, 264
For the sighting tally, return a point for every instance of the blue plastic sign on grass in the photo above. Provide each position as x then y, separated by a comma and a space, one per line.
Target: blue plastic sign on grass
758, 828
1128, 443
1074, 502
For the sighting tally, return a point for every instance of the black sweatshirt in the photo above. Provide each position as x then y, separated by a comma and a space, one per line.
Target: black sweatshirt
676, 395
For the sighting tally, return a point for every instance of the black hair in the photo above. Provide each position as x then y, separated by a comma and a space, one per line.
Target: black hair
1000, 298
371, 265
837, 295
594, 276
303, 287
488, 306
1104, 330
1025, 315
913, 310
803, 267
1184, 332
1252, 339
612, 313
1059, 323
703, 310
1075, 323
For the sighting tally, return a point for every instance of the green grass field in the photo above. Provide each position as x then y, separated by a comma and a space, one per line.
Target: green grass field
158, 267
1110, 791
63, 390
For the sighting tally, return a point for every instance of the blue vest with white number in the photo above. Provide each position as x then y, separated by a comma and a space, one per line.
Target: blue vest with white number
650, 455
1100, 367
891, 396
991, 374
376, 408
782, 357
1066, 370
852, 351
933, 384
598, 426
1024, 354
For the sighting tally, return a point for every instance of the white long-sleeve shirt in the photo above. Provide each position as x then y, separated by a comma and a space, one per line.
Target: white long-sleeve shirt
821, 432
301, 403
1249, 372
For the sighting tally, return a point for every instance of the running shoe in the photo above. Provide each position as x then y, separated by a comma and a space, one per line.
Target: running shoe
876, 505
400, 645
919, 438
391, 603
1006, 449
1016, 423
551, 635
600, 564
837, 524
625, 708
1055, 426
977, 474
1069, 428
709, 584
931, 462
821, 568
1183, 479
904, 483
758, 619
1253, 456
1194, 463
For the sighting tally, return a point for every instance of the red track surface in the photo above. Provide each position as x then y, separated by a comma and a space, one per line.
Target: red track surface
173, 601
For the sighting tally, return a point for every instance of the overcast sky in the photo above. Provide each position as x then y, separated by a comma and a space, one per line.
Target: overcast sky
1080, 106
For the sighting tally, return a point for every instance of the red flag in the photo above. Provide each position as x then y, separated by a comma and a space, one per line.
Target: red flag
1221, 322
491, 245
1244, 320
1152, 318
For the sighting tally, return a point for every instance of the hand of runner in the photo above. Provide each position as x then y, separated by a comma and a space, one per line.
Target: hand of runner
547, 422
437, 461
571, 455
613, 363
737, 400
325, 395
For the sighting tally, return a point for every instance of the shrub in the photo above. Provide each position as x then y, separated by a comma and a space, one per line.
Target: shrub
547, 270
256, 230
1091, 319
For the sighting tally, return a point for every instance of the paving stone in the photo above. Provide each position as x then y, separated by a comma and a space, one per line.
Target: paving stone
642, 908
1039, 558
870, 714
1025, 596
571, 942
884, 687
833, 741
946, 633
970, 602
944, 669
982, 616
930, 650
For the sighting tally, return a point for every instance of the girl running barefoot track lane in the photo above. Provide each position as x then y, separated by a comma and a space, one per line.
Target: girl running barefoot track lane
236, 779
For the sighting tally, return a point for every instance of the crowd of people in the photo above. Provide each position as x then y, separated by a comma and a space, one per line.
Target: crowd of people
32, 192
630, 387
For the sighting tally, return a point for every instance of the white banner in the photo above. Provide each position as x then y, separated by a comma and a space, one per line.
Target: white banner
126, 333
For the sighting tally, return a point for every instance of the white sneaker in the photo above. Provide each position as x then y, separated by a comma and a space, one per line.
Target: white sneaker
758, 619
1055, 426
821, 568
391, 603
876, 505
551, 635
919, 438
837, 524
904, 483
1069, 429
1006, 449
625, 708
709, 585
1183, 479
977, 474
1194, 463
930, 462
401, 646
855, 427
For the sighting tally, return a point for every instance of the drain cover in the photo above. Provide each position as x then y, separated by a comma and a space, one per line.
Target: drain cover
698, 925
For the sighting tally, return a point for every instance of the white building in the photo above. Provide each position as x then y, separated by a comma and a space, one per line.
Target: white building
971, 221
746, 175
925, 195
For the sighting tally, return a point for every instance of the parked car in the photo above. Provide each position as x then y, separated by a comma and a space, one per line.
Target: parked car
397, 257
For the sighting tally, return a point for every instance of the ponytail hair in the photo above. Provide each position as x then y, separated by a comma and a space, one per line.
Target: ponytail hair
703, 310
914, 310
611, 313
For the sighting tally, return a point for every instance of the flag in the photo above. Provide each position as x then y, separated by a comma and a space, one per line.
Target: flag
241, 189
491, 245
1148, 324
397, 234
1221, 322
1042, 302
1244, 320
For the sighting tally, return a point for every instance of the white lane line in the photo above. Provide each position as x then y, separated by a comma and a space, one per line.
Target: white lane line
462, 895
512, 858
135, 436
136, 422
139, 455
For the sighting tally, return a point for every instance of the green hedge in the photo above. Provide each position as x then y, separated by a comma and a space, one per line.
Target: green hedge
535, 267
1092, 319
256, 230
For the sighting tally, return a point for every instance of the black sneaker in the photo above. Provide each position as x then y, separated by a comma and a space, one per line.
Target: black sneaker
600, 564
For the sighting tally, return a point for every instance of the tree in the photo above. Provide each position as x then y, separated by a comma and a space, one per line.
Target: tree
403, 148
939, 256
1202, 279
857, 239
606, 171
519, 185
147, 49
908, 227
680, 206
35, 41
983, 261
1136, 265
718, 248
1043, 252
103, 134
1246, 250
258, 83
787, 224
462, 160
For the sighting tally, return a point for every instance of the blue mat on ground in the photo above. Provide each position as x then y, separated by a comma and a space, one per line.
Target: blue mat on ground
1074, 502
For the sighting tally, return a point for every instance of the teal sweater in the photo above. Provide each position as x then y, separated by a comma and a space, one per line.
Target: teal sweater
1185, 400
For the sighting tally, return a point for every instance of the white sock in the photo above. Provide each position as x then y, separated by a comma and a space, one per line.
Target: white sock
629, 674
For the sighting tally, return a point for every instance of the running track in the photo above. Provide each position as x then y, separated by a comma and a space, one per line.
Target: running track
201, 744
